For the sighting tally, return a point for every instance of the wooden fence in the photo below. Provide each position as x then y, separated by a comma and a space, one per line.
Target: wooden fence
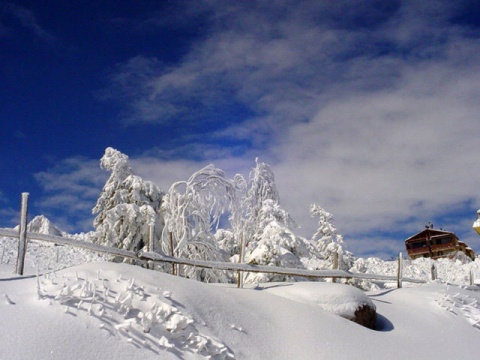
149, 256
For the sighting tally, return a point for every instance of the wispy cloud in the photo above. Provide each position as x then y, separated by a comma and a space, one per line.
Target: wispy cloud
10, 217
3, 199
26, 19
368, 108
71, 189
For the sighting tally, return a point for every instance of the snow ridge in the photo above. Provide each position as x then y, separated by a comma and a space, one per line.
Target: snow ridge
462, 304
142, 315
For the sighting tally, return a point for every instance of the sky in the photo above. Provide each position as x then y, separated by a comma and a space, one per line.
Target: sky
369, 109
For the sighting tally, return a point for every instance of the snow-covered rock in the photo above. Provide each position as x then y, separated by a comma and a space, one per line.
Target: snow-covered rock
41, 225
343, 300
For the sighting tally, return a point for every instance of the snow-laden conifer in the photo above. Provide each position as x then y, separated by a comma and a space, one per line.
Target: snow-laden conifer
328, 243
277, 245
128, 206
266, 226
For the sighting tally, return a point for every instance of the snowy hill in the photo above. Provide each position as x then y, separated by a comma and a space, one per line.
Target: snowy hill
119, 311
83, 308
40, 224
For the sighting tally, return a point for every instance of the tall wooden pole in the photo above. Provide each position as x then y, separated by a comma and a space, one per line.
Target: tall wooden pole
399, 271
434, 272
151, 244
241, 257
22, 239
171, 253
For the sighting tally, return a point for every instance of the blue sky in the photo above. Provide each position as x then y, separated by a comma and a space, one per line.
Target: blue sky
367, 108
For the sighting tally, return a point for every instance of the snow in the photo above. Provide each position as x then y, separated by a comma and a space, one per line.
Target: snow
79, 308
40, 224
338, 299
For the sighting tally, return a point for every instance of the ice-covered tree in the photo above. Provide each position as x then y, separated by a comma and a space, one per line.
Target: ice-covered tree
263, 226
193, 210
277, 244
261, 188
245, 207
128, 206
247, 219
113, 191
234, 239
328, 243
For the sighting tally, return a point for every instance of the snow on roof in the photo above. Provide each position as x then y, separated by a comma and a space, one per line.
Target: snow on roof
430, 230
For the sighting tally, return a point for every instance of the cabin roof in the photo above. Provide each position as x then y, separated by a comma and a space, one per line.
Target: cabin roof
432, 232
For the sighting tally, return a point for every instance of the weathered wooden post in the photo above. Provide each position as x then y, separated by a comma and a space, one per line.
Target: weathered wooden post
335, 264
171, 253
472, 277
151, 244
240, 261
434, 272
151, 238
399, 271
22, 238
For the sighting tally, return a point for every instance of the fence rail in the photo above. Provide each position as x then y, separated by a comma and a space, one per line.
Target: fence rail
270, 269
226, 266
149, 256
59, 240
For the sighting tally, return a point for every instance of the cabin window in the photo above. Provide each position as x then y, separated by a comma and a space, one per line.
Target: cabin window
417, 245
442, 240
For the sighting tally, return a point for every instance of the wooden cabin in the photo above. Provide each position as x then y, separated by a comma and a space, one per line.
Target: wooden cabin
434, 243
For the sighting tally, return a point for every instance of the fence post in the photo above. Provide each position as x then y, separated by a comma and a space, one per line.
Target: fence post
240, 261
151, 238
172, 254
472, 277
151, 244
399, 271
22, 238
335, 264
434, 272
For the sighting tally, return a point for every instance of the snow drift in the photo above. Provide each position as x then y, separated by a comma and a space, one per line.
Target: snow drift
107, 310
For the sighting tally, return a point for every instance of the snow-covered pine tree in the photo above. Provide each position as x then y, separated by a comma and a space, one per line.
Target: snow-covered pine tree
277, 245
265, 226
244, 210
328, 242
127, 207
192, 210
261, 188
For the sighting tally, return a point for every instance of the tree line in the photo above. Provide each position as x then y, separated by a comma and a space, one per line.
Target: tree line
213, 218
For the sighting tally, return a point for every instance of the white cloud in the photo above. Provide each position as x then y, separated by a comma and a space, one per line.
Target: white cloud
380, 158
9, 216
366, 108
71, 189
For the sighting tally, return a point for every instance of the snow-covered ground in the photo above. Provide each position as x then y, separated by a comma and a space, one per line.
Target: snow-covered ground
82, 308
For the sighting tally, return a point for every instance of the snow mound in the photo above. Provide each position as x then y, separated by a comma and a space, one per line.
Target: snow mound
119, 311
41, 225
339, 299
140, 314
